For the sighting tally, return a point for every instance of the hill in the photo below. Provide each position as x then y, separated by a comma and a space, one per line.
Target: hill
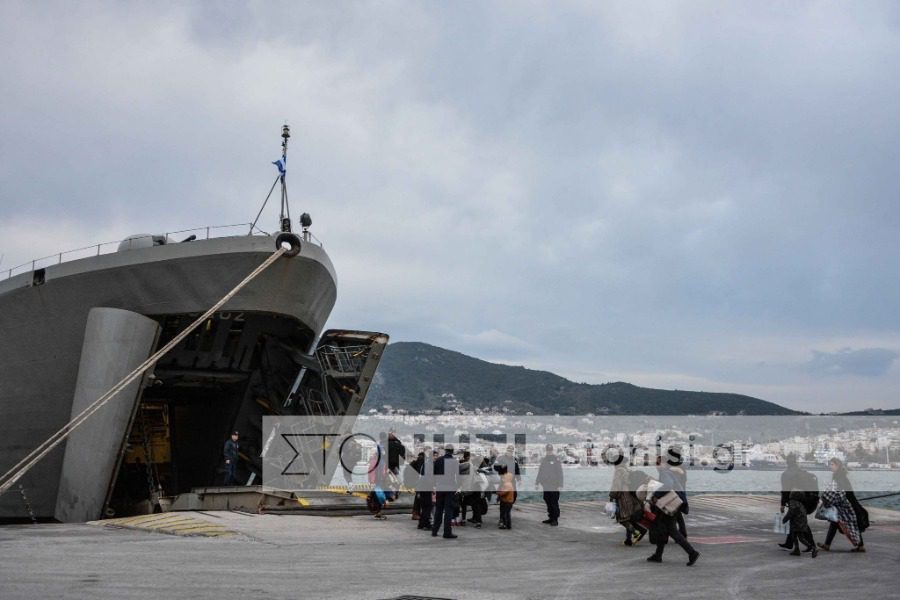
417, 377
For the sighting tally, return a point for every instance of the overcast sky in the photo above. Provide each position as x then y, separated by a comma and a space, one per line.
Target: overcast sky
696, 196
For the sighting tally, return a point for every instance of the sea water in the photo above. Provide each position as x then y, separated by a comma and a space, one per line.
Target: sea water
594, 483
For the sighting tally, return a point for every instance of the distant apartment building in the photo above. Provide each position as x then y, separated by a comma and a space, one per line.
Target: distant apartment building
823, 455
800, 447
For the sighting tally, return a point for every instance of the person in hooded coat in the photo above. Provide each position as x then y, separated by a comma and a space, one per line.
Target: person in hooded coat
629, 508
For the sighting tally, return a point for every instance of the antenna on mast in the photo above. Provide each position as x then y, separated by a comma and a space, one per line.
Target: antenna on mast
285, 206
285, 215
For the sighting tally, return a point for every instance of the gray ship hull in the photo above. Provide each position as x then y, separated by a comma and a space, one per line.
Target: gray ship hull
238, 366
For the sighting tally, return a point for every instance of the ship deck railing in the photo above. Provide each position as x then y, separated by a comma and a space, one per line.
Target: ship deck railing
206, 232
343, 359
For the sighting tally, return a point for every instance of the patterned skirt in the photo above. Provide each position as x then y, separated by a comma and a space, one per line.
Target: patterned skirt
846, 515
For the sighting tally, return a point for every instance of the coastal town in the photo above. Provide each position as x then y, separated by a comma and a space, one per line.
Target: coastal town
861, 442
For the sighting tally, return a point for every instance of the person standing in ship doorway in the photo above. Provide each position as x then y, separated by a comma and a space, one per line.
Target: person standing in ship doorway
396, 451
231, 458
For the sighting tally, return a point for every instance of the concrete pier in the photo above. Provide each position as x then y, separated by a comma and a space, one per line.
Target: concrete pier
239, 555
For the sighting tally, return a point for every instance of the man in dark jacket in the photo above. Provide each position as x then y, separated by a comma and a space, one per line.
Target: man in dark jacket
550, 477
510, 463
446, 482
794, 478
424, 486
396, 450
231, 458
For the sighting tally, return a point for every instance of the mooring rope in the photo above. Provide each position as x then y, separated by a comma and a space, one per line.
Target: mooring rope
881, 496
24, 465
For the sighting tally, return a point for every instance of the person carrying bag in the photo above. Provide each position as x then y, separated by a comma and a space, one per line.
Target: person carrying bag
665, 507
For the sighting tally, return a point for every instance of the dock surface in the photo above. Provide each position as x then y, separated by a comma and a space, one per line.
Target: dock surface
358, 557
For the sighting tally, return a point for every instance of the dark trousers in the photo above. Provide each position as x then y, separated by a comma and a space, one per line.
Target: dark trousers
667, 527
832, 530
474, 501
551, 499
443, 512
804, 535
424, 500
633, 524
506, 514
230, 476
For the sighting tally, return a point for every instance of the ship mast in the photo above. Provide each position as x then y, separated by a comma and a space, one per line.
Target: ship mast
285, 217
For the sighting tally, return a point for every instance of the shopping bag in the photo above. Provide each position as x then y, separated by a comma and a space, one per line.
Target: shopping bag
670, 503
827, 513
779, 526
611, 509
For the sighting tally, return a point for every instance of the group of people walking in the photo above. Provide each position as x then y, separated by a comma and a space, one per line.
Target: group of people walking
447, 487
642, 504
838, 505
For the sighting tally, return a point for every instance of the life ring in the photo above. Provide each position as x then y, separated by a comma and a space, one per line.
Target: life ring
292, 240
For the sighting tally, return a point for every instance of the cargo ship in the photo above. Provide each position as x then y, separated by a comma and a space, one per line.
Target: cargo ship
72, 329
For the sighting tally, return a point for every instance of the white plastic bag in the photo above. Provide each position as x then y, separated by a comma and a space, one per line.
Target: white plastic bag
653, 486
827, 513
779, 527
611, 509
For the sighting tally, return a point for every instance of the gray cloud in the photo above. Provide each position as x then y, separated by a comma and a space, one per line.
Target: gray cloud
677, 194
865, 362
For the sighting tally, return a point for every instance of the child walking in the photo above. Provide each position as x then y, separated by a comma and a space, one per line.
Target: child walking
507, 496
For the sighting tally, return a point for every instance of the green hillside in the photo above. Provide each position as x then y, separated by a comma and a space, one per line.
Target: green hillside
417, 377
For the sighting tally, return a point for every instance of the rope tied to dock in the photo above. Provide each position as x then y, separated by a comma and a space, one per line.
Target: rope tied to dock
26, 464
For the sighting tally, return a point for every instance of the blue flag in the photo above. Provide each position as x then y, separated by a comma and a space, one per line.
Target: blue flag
281, 163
